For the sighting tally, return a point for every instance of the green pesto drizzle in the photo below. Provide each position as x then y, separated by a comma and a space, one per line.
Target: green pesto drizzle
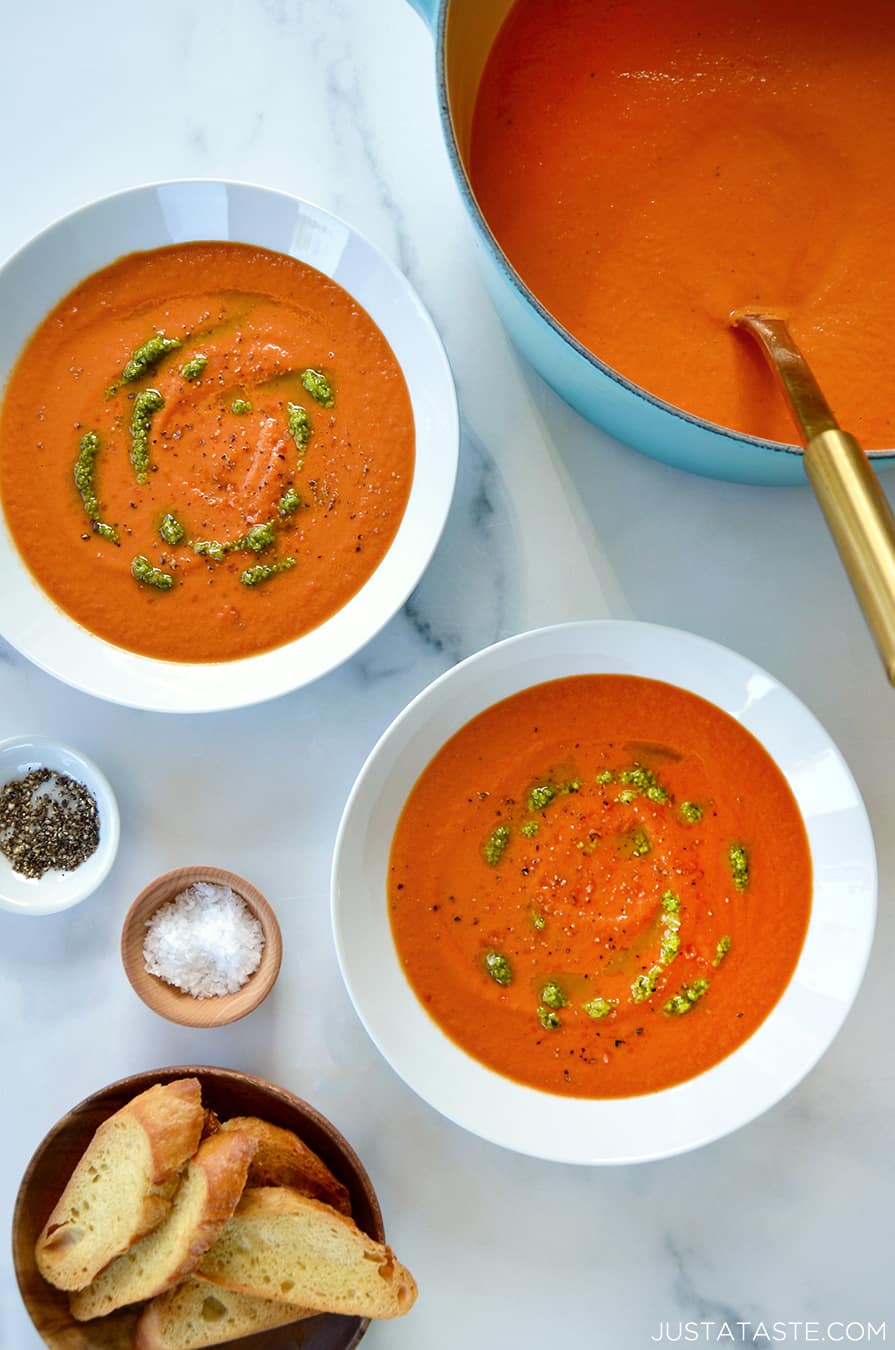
690, 813
553, 996
289, 502
721, 950
498, 967
689, 995
669, 946
635, 843
299, 424
548, 1019
143, 571
540, 797
146, 405
253, 576
84, 482
171, 530
739, 866
495, 845
144, 359
538, 920
210, 548
240, 406
607, 776
671, 903
645, 984
641, 782
640, 844
530, 829
87, 453
671, 940
192, 369
318, 386
256, 539
599, 1007
542, 794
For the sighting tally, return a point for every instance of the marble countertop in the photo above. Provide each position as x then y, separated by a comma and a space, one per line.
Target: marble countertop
788, 1219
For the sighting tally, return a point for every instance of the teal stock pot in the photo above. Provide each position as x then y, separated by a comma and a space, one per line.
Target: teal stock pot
464, 31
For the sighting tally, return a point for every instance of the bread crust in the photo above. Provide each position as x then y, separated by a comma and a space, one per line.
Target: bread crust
96, 1220
205, 1201
283, 1159
283, 1245
177, 1320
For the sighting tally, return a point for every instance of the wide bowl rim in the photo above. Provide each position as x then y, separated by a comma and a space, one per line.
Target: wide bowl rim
118, 675
585, 1121
71, 892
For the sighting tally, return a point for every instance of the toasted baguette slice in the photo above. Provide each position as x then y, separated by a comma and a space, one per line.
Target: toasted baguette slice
122, 1187
212, 1123
207, 1196
283, 1159
283, 1245
196, 1314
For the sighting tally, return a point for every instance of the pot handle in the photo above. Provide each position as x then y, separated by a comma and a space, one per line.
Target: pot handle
427, 10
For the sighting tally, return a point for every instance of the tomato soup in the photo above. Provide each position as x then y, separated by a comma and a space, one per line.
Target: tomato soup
648, 167
600, 886
205, 451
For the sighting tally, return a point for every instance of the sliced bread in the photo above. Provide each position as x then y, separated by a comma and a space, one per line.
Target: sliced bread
283, 1159
196, 1314
205, 1200
282, 1245
212, 1123
123, 1185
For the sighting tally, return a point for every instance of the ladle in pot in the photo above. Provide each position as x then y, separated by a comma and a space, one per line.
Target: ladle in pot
855, 507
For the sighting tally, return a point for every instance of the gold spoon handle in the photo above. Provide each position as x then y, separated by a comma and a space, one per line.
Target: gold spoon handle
854, 505
863, 528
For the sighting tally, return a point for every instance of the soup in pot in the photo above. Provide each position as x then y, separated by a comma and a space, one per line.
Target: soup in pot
649, 167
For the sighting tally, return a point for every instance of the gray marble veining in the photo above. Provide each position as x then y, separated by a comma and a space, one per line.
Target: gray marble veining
789, 1218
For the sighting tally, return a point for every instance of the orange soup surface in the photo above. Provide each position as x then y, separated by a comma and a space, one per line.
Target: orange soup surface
600, 886
205, 451
648, 167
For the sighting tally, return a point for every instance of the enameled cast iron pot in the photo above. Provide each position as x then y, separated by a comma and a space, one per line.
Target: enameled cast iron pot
464, 32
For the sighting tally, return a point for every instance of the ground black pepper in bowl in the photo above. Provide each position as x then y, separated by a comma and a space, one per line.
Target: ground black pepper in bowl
48, 821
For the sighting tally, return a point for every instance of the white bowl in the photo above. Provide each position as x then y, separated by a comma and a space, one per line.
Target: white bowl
58, 890
779, 1053
37, 277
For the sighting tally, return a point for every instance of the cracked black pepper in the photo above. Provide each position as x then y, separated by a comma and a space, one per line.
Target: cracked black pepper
47, 822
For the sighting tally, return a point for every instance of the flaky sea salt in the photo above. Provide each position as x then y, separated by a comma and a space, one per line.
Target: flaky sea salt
205, 941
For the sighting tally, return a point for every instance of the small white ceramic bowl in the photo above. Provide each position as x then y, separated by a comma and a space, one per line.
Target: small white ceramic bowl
786, 1045
58, 890
37, 277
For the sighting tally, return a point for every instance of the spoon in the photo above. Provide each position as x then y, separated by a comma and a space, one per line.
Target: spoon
855, 507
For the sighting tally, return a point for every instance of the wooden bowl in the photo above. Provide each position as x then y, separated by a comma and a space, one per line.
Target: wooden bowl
171, 1002
229, 1094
